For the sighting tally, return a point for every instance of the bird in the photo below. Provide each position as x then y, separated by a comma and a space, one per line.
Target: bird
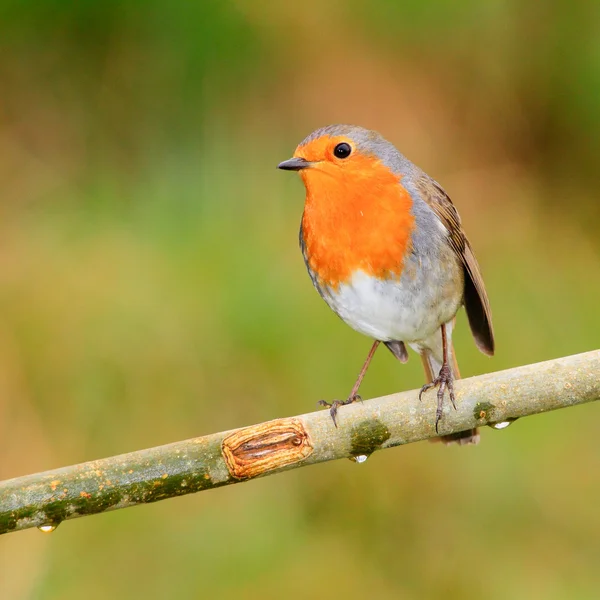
385, 248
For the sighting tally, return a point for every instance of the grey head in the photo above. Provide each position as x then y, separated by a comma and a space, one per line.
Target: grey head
367, 142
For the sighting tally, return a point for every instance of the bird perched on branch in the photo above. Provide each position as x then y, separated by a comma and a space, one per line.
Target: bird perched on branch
384, 247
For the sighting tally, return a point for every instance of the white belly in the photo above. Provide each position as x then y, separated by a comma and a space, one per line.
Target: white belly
407, 310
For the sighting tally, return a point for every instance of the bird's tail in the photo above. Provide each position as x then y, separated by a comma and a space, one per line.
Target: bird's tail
432, 366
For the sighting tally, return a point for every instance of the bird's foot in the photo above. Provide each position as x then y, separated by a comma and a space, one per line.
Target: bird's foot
333, 406
445, 380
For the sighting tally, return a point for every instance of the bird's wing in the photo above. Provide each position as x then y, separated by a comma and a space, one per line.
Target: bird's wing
476, 300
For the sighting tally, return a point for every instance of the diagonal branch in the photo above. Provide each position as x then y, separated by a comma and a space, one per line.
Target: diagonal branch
46, 499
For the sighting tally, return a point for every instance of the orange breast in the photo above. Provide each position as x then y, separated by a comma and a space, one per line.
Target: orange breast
355, 219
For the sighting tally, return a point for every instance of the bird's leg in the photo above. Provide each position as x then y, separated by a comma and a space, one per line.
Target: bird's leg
445, 380
353, 397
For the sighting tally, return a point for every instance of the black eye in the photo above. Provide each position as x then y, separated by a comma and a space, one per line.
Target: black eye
342, 150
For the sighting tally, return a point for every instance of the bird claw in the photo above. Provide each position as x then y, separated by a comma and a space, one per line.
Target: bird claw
333, 406
444, 380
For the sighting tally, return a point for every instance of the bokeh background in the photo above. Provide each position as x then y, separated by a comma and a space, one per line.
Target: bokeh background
151, 287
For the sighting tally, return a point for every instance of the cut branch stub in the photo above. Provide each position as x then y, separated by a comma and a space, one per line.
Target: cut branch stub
258, 449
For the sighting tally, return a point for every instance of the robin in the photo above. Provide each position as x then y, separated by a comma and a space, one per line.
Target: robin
385, 249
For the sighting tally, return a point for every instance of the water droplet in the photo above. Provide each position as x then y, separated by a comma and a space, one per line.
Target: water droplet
359, 458
48, 527
502, 424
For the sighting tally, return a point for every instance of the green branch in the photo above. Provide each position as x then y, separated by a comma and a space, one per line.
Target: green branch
46, 499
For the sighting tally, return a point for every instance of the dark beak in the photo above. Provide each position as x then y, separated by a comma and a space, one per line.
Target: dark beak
294, 164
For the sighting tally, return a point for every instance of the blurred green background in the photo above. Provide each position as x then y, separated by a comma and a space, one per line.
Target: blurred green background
151, 287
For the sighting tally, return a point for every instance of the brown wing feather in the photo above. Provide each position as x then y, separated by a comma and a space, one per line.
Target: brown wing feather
477, 304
